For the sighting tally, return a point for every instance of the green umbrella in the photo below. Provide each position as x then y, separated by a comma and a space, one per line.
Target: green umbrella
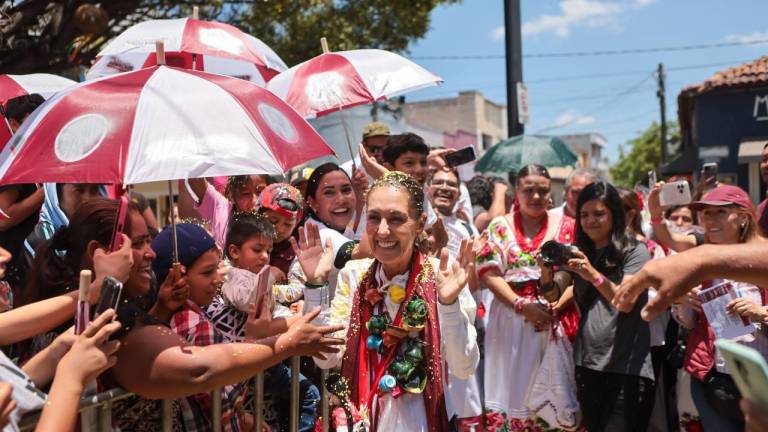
513, 153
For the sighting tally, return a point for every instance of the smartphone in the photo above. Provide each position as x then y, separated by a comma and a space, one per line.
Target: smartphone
119, 226
263, 289
709, 170
460, 157
675, 193
748, 369
109, 298
652, 180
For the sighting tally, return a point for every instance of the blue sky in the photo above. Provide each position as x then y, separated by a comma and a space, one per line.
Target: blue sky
617, 106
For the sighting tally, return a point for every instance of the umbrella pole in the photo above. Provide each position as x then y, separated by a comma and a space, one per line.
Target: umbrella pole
5, 119
173, 223
346, 137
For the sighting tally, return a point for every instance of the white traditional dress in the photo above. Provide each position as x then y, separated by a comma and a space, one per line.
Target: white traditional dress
458, 344
513, 348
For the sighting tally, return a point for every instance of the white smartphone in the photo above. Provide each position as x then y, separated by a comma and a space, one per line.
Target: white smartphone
675, 193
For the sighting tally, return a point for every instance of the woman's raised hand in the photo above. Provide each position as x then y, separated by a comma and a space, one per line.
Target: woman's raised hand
315, 261
116, 264
450, 279
654, 204
305, 339
92, 353
371, 166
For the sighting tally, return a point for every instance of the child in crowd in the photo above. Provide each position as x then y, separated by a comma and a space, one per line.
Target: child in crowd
282, 204
200, 257
248, 245
240, 195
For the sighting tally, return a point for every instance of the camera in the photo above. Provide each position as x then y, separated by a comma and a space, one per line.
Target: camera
555, 253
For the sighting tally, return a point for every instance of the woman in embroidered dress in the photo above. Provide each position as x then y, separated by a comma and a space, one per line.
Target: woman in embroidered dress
519, 318
404, 319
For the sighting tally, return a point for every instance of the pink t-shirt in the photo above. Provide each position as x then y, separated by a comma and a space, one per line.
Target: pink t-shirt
215, 208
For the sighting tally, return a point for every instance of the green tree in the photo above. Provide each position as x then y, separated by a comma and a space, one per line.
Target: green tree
56, 35
644, 155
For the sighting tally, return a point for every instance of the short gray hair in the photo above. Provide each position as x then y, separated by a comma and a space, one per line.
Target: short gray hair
581, 172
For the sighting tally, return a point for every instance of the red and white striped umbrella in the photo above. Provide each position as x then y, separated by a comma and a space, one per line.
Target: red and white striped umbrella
218, 47
159, 123
344, 79
119, 63
12, 86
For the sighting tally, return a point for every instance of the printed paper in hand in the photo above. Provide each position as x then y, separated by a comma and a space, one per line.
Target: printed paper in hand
713, 302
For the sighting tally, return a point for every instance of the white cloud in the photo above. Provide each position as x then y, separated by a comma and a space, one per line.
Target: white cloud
571, 118
498, 33
748, 38
593, 13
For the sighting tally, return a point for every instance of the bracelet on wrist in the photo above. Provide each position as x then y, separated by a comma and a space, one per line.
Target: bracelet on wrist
657, 220
519, 303
599, 281
311, 285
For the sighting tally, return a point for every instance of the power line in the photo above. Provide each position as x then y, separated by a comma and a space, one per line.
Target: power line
595, 53
615, 99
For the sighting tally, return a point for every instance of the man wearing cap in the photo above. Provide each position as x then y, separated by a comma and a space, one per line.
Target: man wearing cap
375, 135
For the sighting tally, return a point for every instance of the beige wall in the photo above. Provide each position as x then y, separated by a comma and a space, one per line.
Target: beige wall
470, 111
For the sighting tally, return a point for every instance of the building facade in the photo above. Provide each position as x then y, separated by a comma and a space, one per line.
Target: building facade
725, 120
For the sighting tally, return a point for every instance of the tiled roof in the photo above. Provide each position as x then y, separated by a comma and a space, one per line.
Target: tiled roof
748, 73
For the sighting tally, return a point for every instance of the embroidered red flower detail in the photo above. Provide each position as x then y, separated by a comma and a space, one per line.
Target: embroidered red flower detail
373, 296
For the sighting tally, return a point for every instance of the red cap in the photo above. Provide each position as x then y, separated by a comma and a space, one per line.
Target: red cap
724, 195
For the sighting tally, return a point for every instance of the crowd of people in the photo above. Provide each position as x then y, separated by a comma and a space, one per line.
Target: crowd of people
437, 303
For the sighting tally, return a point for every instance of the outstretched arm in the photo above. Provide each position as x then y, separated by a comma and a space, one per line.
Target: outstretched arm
158, 364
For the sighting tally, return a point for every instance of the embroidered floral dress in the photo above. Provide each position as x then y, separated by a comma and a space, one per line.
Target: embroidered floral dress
513, 348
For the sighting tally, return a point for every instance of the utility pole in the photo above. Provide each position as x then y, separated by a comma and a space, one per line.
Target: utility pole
660, 93
514, 52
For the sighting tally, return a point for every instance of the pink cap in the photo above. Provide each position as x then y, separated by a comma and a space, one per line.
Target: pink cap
724, 195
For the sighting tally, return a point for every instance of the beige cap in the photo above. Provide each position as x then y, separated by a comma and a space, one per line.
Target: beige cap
375, 129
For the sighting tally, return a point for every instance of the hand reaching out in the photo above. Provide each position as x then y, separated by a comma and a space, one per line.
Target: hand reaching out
450, 280
315, 261
305, 339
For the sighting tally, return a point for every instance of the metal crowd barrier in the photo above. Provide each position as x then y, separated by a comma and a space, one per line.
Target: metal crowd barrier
101, 404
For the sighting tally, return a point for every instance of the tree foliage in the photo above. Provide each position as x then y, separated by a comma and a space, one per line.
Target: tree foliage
55, 35
644, 155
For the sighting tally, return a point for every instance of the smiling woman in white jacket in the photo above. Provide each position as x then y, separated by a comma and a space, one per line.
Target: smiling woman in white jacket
405, 323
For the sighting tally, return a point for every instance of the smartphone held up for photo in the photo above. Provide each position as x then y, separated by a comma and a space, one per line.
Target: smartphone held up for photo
460, 157
709, 170
109, 298
675, 193
119, 226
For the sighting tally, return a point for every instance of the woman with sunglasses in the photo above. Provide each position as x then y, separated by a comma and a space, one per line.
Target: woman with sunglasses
520, 319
